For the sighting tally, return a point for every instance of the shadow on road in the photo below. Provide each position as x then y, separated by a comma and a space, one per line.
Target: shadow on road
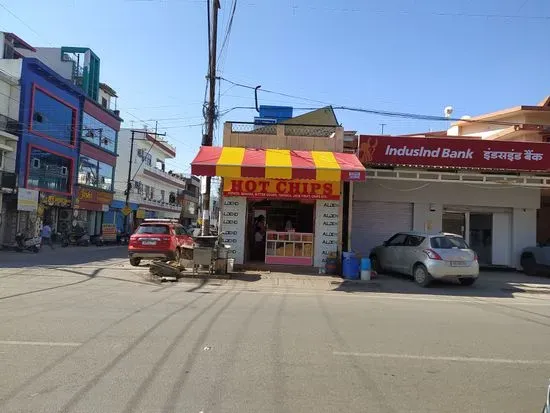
489, 284
61, 256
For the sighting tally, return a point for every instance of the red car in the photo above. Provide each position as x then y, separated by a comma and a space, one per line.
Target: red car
158, 239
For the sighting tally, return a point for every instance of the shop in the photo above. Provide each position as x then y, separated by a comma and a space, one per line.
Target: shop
486, 191
280, 206
56, 210
116, 215
90, 205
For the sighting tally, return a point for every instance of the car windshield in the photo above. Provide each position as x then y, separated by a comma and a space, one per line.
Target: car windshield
448, 242
153, 229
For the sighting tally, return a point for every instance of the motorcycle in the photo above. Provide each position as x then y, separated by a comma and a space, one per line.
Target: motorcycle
73, 238
25, 243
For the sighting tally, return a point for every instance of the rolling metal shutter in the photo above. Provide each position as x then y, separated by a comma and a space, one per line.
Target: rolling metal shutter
374, 222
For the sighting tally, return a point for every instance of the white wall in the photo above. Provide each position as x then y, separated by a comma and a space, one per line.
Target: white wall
524, 232
429, 199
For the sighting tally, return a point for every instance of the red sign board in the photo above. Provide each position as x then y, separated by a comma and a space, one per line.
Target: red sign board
281, 189
454, 153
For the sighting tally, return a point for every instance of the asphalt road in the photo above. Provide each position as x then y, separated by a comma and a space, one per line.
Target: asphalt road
92, 335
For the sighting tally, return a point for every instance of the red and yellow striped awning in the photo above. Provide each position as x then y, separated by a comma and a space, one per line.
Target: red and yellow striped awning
231, 162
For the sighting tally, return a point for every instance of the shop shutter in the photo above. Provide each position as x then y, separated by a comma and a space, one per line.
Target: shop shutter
374, 222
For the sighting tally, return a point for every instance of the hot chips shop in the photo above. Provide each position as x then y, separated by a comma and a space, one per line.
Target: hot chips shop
280, 206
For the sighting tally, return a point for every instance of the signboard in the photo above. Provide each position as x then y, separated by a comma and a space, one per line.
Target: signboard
126, 210
326, 231
27, 199
54, 200
140, 214
233, 226
92, 195
454, 153
108, 232
281, 188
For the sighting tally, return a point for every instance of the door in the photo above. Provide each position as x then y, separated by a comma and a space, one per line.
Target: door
481, 236
455, 223
375, 222
392, 253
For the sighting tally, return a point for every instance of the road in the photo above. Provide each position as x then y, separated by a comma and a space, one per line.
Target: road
82, 331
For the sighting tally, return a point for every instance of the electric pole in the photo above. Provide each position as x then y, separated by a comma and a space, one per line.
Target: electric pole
382, 126
131, 161
211, 111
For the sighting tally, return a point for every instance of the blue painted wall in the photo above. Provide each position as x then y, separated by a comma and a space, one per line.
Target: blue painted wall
35, 72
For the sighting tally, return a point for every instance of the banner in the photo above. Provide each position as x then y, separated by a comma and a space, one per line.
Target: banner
27, 199
454, 153
281, 189
108, 232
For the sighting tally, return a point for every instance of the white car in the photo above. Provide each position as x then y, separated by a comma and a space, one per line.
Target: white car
427, 256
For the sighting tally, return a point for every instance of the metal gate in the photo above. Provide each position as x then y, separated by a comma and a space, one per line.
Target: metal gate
374, 222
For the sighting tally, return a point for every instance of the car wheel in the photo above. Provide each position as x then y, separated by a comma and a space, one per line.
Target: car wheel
375, 265
467, 281
135, 261
421, 275
529, 265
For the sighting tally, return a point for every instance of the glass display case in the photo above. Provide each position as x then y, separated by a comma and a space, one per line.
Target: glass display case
292, 248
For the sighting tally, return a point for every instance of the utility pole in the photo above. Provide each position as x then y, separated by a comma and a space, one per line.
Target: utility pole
382, 126
211, 111
129, 180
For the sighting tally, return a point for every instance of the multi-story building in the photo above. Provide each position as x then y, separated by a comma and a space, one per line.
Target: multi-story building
68, 135
10, 74
155, 191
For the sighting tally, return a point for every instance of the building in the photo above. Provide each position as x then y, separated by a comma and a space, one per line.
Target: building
299, 192
156, 192
67, 145
487, 191
10, 74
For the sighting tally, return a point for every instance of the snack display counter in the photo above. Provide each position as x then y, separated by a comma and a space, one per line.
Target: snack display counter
291, 248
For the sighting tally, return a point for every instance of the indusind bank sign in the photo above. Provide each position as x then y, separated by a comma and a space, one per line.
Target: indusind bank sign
454, 153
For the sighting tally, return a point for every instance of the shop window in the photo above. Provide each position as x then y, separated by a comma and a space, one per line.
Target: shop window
48, 171
105, 176
98, 133
53, 118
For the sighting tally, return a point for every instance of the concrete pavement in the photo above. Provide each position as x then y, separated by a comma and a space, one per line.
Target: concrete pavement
97, 337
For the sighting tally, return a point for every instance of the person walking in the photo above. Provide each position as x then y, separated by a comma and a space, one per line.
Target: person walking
46, 235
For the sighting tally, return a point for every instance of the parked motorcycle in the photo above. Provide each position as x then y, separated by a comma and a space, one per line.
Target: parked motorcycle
73, 238
25, 243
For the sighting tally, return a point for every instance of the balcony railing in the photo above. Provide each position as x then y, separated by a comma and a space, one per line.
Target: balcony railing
158, 203
284, 129
9, 125
8, 180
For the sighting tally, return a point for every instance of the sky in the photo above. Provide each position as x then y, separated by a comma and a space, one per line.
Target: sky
415, 56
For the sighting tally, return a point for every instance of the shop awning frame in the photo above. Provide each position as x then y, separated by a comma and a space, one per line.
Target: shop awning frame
232, 162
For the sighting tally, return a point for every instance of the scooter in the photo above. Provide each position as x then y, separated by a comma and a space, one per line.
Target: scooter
25, 243
82, 239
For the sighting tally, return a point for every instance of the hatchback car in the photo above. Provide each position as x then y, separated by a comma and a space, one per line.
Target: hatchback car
426, 257
160, 239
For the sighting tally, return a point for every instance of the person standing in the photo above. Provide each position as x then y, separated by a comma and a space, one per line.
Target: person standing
46, 235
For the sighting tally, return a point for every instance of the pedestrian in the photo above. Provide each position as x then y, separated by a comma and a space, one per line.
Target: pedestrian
47, 235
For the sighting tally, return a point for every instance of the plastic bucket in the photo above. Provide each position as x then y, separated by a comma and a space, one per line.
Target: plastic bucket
348, 254
350, 268
230, 263
331, 266
365, 264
